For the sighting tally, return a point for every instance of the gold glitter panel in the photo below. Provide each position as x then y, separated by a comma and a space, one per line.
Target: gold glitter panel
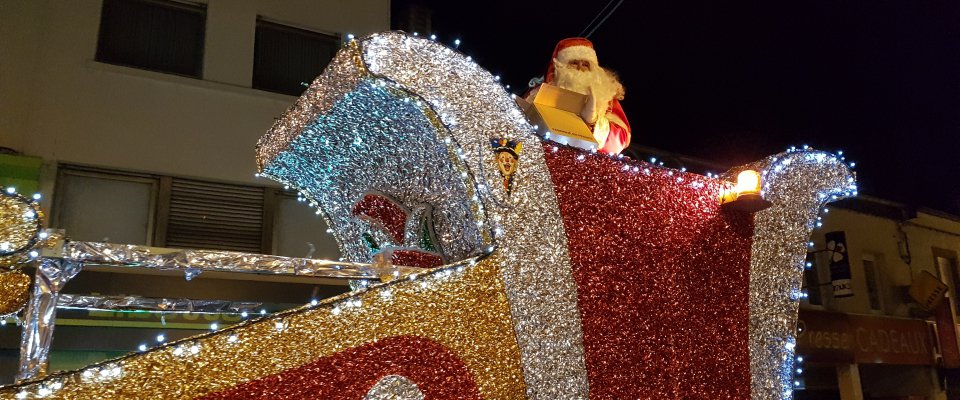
463, 307
14, 291
20, 221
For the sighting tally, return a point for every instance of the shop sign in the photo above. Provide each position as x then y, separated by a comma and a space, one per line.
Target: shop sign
840, 277
927, 290
863, 339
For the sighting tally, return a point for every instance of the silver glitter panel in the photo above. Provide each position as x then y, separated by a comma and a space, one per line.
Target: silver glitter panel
368, 134
394, 387
527, 223
798, 183
339, 75
377, 138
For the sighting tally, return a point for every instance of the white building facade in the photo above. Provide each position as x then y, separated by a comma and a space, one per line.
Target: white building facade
137, 120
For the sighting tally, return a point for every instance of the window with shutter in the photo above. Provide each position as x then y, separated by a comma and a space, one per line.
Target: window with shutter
102, 206
164, 36
208, 215
285, 57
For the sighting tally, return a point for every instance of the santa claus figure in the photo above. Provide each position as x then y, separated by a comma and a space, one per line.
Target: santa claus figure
574, 67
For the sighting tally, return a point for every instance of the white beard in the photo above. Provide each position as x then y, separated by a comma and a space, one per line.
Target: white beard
604, 83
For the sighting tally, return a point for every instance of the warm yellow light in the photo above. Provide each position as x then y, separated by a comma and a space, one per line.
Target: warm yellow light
748, 182
728, 193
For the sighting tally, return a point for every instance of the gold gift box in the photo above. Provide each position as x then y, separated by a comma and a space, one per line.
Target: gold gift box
557, 111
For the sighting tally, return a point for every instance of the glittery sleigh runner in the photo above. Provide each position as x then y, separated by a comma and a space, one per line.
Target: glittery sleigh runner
587, 276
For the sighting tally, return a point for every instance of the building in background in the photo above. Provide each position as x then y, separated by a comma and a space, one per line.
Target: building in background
137, 121
413, 17
881, 327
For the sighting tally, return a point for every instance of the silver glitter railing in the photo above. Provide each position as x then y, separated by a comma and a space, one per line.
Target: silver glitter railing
154, 304
61, 261
193, 262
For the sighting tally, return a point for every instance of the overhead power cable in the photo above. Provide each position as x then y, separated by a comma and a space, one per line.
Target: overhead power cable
609, 13
586, 28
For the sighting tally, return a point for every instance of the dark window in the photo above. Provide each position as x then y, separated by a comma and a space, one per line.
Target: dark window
164, 36
873, 285
284, 57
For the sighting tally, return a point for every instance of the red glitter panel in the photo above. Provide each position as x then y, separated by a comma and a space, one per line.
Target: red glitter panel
350, 374
415, 258
662, 275
384, 212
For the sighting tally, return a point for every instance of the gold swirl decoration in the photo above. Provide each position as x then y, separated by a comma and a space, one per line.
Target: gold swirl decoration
20, 226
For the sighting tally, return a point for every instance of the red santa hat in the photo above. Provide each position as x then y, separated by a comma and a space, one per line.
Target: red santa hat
575, 48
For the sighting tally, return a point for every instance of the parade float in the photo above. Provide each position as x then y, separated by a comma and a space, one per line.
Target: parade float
570, 274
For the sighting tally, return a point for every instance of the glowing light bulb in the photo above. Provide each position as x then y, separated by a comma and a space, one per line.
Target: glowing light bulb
748, 182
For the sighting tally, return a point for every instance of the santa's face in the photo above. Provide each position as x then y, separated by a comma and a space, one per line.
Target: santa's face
576, 75
584, 76
506, 163
579, 65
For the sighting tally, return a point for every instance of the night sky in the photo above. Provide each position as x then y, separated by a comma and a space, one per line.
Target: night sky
732, 82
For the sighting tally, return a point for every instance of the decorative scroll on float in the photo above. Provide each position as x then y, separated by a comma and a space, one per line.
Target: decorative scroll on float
586, 275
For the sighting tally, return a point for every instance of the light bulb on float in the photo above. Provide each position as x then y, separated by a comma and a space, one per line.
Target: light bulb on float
748, 183
745, 195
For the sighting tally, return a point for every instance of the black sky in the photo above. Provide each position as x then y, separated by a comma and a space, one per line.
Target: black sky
732, 82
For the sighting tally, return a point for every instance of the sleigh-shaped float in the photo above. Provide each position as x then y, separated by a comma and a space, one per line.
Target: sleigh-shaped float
583, 275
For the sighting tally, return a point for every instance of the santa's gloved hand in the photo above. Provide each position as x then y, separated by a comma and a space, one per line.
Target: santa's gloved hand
589, 111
